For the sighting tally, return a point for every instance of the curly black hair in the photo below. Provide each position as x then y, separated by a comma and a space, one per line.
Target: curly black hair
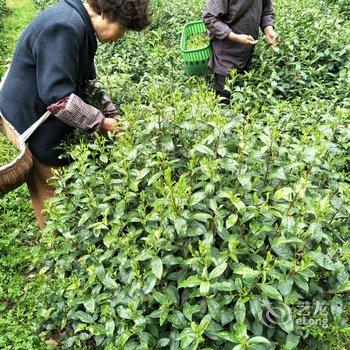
132, 14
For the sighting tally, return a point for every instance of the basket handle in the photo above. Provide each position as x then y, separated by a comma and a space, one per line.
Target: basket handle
26, 134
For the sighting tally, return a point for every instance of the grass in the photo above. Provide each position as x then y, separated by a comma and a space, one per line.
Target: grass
19, 281
22, 11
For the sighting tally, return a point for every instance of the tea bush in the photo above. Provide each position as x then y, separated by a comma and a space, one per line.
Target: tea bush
343, 6
311, 61
158, 225
204, 227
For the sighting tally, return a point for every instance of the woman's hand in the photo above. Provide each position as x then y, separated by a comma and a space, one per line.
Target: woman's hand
271, 36
110, 124
243, 39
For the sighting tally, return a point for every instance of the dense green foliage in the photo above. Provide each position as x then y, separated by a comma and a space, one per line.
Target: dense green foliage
13, 20
343, 6
4, 11
7, 151
199, 222
311, 62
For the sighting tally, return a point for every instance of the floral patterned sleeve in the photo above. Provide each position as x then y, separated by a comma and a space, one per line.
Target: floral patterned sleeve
75, 112
99, 97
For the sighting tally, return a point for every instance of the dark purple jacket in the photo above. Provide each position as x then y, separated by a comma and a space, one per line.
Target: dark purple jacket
219, 18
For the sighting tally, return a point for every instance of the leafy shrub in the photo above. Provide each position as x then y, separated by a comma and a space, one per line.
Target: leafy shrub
342, 5
202, 227
185, 230
312, 60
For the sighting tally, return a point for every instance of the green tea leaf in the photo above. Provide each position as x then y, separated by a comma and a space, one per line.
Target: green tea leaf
110, 326
190, 282
227, 315
197, 198
271, 292
231, 221
218, 271
259, 340
245, 181
90, 305
110, 283
240, 311
157, 266
84, 317
283, 193
204, 288
246, 272
228, 336
203, 149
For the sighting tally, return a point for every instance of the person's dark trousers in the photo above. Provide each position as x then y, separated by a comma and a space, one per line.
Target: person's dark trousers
220, 79
219, 84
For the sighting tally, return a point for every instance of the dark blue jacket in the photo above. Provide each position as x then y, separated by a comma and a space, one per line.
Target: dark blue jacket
54, 57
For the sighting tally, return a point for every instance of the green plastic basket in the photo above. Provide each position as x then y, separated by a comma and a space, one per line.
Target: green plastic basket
195, 60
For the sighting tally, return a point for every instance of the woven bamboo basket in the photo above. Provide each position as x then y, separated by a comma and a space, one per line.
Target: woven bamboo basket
14, 174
